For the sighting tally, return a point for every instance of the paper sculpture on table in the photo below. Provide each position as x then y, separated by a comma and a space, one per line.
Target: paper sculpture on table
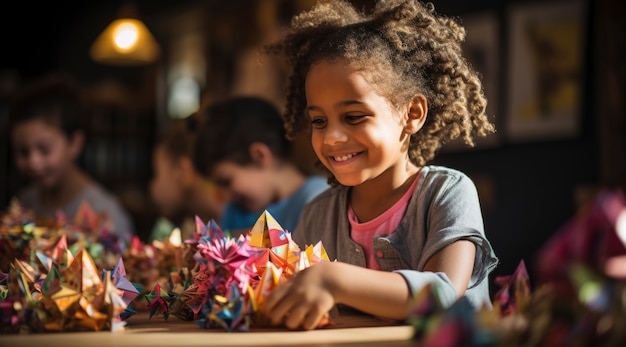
218, 293
86, 217
158, 301
9, 318
260, 235
278, 259
273, 244
57, 253
591, 237
142, 259
179, 282
127, 290
231, 276
456, 325
4, 286
20, 233
73, 297
514, 294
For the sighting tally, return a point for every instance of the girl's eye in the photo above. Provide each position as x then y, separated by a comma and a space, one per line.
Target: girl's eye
318, 122
45, 149
353, 119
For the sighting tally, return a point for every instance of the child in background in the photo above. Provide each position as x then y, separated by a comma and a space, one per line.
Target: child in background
47, 139
241, 146
177, 189
381, 93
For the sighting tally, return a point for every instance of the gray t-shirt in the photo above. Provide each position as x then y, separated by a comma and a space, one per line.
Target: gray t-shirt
443, 208
98, 198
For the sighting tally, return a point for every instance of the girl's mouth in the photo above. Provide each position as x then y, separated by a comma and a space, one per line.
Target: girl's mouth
343, 158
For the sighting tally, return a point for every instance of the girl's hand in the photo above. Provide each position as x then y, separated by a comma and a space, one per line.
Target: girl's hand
304, 299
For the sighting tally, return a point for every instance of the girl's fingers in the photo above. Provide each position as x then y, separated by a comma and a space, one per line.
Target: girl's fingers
278, 313
274, 297
296, 316
312, 319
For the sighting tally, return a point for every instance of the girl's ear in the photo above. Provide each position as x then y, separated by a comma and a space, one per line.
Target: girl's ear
261, 154
77, 141
416, 114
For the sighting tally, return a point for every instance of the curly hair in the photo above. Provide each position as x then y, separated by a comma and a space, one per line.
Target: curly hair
406, 48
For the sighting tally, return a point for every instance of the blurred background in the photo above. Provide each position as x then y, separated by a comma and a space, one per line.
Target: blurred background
554, 75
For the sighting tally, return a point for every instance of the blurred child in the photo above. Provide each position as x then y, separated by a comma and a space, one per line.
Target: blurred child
241, 146
47, 139
178, 190
380, 94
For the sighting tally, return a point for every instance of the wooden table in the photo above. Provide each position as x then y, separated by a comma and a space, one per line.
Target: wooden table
349, 330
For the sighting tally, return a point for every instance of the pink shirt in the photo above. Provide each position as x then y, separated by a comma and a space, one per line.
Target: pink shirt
385, 224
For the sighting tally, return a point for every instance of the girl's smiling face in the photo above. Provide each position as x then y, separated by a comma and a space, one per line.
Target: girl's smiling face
356, 133
43, 152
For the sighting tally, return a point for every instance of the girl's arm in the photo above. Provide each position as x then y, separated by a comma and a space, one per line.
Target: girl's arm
304, 299
457, 261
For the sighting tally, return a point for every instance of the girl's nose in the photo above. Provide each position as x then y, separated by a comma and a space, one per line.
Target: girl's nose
34, 160
334, 134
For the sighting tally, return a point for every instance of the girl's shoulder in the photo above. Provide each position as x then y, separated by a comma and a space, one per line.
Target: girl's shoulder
99, 197
441, 180
437, 173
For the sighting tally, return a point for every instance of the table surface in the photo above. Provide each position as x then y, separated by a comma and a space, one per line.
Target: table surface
348, 330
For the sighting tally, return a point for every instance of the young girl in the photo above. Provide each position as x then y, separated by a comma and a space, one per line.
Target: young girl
381, 93
47, 139
242, 147
178, 190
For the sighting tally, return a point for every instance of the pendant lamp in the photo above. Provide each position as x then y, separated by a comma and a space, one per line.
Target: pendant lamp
125, 42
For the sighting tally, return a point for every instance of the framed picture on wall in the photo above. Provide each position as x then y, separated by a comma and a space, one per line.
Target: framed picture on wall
482, 51
546, 45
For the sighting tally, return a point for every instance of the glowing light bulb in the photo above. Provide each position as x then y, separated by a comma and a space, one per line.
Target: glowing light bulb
126, 36
125, 41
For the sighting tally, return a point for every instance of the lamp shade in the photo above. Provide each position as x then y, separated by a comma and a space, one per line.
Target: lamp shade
126, 41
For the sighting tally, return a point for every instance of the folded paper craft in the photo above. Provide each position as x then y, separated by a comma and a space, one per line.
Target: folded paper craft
231, 276
66, 293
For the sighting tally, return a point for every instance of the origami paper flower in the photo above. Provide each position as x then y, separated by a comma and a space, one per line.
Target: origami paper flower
226, 252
